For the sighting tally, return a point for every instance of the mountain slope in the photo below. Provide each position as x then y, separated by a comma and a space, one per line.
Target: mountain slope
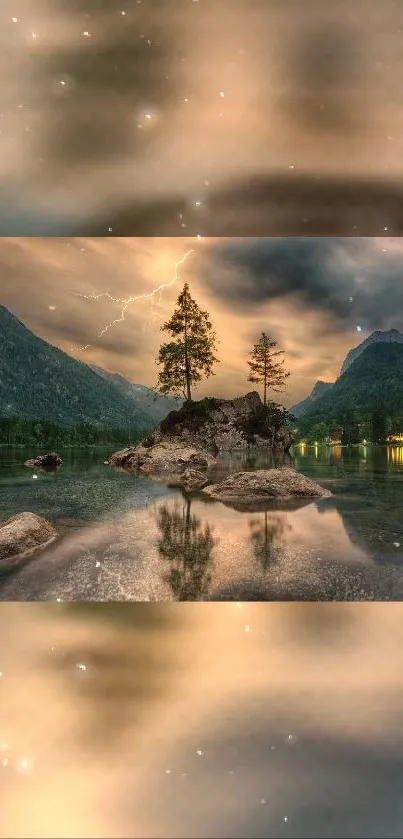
391, 336
38, 380
319, 390
374, 379
155, 408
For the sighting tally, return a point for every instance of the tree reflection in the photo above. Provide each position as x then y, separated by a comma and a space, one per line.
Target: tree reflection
267, 532
188, 547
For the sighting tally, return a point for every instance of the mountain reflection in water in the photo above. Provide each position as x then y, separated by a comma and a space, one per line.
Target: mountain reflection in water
260, 720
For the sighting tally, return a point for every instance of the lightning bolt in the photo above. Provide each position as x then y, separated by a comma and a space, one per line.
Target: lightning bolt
126, 302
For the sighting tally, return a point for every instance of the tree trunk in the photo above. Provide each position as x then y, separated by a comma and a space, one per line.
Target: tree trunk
187, 518
187, 367
188, 391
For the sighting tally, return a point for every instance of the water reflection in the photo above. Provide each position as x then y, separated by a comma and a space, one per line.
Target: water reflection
395, 455
122, 537
249, 460
267, 534
187, 545
260, 720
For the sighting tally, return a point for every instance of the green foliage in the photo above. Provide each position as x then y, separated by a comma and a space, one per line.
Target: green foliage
265, 367
146, 400
24, 431
278, 416
202, 408
351, 431
379, 425
190, 356
366, 401
319, 433
375, 378
41, 382
265, 420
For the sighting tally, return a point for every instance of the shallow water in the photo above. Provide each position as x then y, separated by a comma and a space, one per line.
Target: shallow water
201, 720
123, 537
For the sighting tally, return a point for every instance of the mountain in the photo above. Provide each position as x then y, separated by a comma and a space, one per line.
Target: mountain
319, 390
156, 408
391, 336
373, 380
40, 381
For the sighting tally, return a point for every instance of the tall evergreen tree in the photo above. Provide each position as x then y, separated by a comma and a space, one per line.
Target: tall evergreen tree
265, 366
190, 355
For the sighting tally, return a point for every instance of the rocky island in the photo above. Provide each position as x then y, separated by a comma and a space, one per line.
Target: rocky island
194, 435
182, 450
48, 461
265, 485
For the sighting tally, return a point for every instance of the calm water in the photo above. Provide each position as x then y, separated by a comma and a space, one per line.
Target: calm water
128, 538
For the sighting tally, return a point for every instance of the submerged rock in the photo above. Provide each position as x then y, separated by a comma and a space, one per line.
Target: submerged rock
190, 479
175, 463
265, 485
21, 536
45, 461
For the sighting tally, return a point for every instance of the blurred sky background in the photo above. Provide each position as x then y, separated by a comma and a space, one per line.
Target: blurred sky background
123, 115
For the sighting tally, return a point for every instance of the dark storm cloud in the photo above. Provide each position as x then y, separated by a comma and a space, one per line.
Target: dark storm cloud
270, 269
352, 282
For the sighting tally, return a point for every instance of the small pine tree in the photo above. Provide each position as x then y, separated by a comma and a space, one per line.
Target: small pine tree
265, 368
191, 354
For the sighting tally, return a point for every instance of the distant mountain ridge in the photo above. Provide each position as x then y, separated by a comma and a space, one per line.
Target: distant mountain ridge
372, 382
41, 381
156, 407
319, 390
391, 336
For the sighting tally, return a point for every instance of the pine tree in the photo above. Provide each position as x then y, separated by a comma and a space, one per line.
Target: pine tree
190, 355
265, 366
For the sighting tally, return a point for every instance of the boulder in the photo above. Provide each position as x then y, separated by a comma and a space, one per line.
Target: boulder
21, 536
45, 461
190, 479
174, 462
128, 458
265, 485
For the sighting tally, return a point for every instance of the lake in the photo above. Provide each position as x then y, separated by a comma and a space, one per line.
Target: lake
124, 537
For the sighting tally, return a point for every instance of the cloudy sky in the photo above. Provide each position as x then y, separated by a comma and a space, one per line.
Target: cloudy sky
110, 105
316, 297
